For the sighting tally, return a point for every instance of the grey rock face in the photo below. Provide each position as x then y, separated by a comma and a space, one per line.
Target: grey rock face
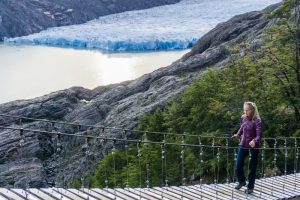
240, 28
117, 105
24, 17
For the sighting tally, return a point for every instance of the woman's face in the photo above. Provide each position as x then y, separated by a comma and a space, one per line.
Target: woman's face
248, 111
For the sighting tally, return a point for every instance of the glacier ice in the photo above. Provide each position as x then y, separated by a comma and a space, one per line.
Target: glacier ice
168, 27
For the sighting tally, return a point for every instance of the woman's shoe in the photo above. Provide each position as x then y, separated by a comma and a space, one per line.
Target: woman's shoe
239, 185
248, 191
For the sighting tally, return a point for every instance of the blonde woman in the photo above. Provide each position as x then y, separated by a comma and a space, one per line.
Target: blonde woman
250, 134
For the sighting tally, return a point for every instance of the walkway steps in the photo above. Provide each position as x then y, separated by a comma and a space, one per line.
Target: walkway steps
279, 187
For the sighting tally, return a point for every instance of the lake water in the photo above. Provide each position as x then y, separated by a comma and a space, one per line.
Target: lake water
31, 71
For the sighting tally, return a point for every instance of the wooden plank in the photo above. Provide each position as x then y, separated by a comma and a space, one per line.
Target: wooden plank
143, 192
184, 193
95, 194
266, 190
256, 191
208, 192
89, 193
279, 186
200, 193
41, 194
261, 192
119, 194
271, 181
206, 195
164, 194
285, 183
19, 192
273, 190
80, 194
130, 194
234, 194
290, 181
183, 189
287, 178
172, 191
137, 194
289, 185
7, 193
170, 194
67, 193
24, 193
105, 193
147, 191
49, 195
295, 182
209, 188
34, 195
219, 192
241, 192
4, 197
55, 193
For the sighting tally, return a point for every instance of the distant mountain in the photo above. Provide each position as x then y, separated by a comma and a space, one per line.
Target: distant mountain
23, 17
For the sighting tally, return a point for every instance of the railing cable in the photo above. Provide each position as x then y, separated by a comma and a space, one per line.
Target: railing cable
120, 129
103, 143
285, 164
200, 165
166, 153
216, 149
127, 160
113, 151
263, 172
218, 168
234, 170
296, 162
227, 162
147, 162
139, 155
182, 165
275, 166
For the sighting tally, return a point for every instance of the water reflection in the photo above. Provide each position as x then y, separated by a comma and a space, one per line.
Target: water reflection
31, 71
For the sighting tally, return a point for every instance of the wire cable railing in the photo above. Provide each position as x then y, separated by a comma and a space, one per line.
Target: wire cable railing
278, 155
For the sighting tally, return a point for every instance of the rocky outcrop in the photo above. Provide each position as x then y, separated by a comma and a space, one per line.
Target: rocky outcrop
24, 17
117, 105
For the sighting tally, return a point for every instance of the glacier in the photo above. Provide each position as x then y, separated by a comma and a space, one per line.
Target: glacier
169, 27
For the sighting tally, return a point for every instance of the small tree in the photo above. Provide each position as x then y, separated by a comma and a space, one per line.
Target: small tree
283, 51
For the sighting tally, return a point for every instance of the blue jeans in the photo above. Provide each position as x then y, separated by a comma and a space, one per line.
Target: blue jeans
242, 154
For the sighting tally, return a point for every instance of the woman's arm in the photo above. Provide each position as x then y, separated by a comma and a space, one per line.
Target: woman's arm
240, 131
258, 129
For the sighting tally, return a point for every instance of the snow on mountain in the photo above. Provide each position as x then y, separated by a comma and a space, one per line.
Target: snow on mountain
176, 26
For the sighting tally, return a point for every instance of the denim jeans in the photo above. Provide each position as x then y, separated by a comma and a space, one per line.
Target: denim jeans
242, 154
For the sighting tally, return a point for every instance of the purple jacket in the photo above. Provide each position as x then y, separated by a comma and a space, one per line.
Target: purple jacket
249, 130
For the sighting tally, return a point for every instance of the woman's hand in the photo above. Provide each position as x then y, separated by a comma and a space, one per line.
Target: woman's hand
252, 143
235, 136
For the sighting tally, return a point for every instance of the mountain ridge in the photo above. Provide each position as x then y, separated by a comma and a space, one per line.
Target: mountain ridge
24, 17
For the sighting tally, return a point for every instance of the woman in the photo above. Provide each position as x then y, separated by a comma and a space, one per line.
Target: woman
250, 134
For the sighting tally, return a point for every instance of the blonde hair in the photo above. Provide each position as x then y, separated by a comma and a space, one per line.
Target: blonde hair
253, 107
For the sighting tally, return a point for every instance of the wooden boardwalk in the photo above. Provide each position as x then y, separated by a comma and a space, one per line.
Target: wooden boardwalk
279, 187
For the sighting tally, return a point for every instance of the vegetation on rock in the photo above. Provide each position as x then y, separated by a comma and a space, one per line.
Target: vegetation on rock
268, 74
